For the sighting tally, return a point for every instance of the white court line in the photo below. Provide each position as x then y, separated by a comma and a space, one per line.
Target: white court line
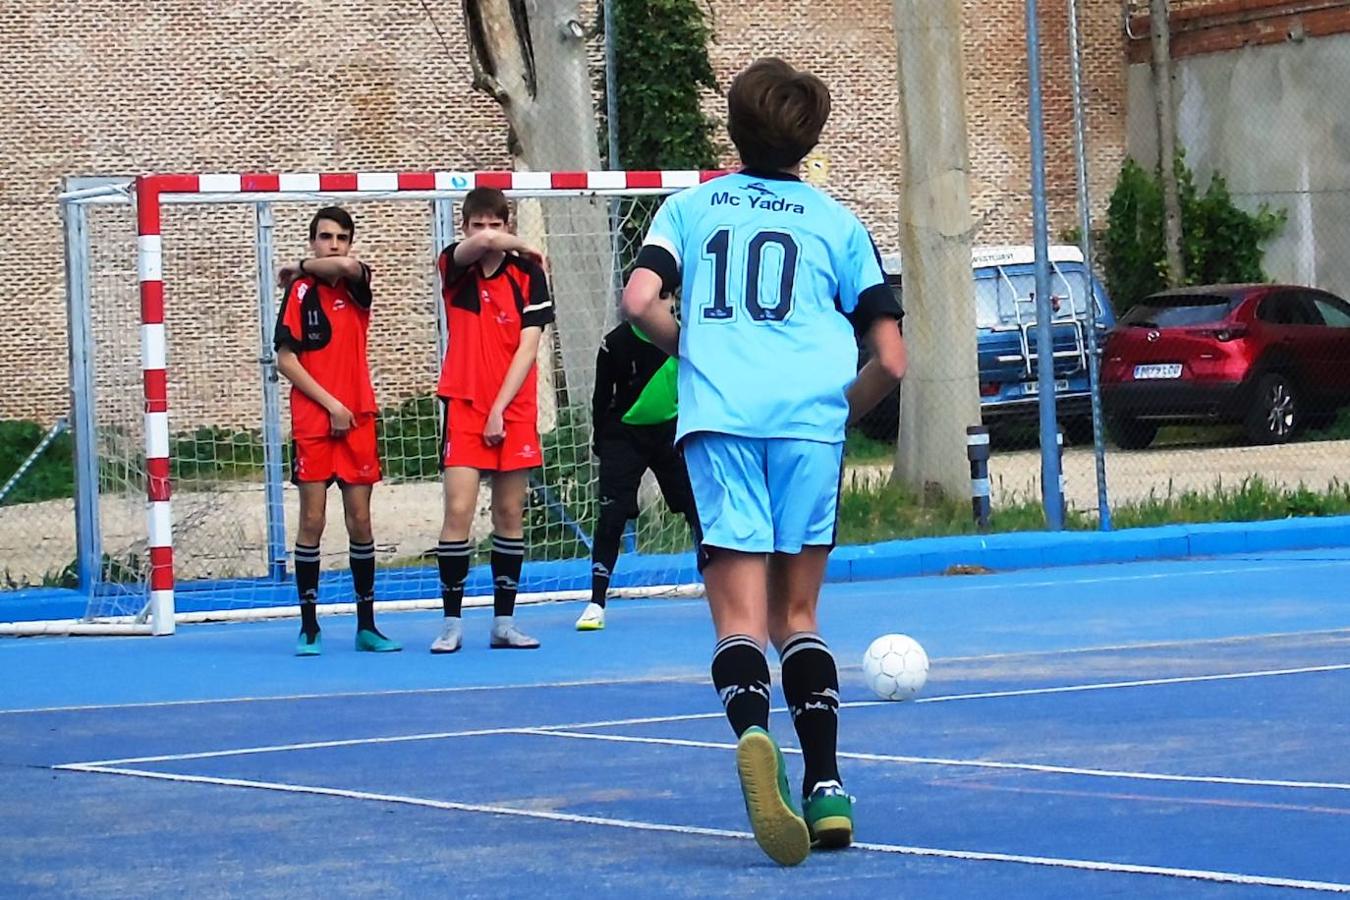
1110, 685
1150, 645
286, 748
986, 695
341, 695
982, 582
965, 763
690, 717
655, 679
635, 825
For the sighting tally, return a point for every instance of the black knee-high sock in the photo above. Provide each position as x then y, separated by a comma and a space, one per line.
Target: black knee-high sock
605, 549
741, 675
452, 558
811, 687
361, 557
508, 556
307, 586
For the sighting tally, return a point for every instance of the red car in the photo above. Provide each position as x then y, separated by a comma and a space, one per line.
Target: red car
1273, 357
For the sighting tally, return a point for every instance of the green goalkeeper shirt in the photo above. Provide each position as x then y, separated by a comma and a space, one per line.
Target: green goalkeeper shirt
635, 382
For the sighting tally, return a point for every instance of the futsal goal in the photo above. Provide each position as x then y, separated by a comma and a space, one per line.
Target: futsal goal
183, 506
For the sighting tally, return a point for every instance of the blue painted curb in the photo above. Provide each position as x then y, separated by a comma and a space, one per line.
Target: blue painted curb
863, 562
1049, 549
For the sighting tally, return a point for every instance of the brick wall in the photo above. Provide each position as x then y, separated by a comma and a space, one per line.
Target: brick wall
124, 87
1198, 27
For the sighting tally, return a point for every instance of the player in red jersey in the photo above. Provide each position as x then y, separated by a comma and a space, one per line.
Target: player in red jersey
497, 303
321, 348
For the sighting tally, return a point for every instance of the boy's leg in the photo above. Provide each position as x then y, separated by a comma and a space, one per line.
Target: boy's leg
309, 531
621, 468
740, 672
805, 480
732, 501
508, 557
811, 688
810, 678
672, 474
361, 557
454, 552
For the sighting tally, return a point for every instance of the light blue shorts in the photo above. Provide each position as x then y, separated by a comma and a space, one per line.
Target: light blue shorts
762, 495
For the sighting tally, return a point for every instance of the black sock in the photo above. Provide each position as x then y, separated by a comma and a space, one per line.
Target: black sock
452, 558
811, 687
741, 675
362, 559
605, 551
307, 586
508, 555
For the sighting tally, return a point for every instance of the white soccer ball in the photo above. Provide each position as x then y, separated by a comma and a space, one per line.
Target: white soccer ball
895, 666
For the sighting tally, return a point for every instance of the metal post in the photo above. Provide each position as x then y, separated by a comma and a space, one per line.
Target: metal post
1085, 242
1051, 492
612, 129
58, 426
267, 361
977, 451
442, 235
611, 86
1059, 455
84, 427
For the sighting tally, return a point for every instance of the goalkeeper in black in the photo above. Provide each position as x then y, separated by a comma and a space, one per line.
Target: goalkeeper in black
633, 417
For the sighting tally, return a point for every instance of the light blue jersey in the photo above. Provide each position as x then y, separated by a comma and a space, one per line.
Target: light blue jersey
771, 273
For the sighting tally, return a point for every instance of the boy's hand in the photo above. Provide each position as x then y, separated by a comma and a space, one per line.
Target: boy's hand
494, 432
287, 274
534, 255
340, 420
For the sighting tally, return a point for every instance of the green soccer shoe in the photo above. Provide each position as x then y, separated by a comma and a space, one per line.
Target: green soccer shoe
779, 830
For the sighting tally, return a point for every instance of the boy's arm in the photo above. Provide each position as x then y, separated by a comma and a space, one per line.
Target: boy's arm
604, 390
882, 372
472, 248
643, 304
655, 272
328, 268
288, 364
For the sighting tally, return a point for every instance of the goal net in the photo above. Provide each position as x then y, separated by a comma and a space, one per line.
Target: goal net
185, 509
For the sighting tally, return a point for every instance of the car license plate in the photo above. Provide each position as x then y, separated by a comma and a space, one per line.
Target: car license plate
1031, 388
1157, 370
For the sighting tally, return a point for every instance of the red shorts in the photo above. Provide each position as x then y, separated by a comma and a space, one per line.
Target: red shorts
350, 459
463, 445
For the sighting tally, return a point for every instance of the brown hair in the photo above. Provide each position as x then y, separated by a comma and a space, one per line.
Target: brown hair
335, 214
775, 113
486, 201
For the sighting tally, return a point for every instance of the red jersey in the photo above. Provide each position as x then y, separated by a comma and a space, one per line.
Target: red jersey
484, 315
325, 325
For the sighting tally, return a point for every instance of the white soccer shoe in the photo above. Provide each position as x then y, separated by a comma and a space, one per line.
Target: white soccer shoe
451, 636
506, 636
592, 618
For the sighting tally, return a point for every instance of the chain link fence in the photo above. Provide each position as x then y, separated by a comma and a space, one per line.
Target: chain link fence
1217, 403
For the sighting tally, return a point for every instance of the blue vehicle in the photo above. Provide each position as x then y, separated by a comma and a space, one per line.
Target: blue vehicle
1005, 319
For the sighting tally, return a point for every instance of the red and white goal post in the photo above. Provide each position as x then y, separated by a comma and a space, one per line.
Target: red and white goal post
183, 508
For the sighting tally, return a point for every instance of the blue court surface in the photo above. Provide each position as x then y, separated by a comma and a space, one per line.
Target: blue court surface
1160, 729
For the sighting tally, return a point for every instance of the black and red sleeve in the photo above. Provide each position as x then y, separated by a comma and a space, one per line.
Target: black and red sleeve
289, 332
538, 310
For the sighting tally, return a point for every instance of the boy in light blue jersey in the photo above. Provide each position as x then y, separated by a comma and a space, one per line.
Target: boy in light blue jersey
776, 279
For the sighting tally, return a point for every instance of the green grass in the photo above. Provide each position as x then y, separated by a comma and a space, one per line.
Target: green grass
1336, 430
891, 511
859, 449
409, 445
51, 475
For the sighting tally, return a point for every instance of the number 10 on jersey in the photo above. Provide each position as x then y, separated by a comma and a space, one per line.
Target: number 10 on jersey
764, 249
